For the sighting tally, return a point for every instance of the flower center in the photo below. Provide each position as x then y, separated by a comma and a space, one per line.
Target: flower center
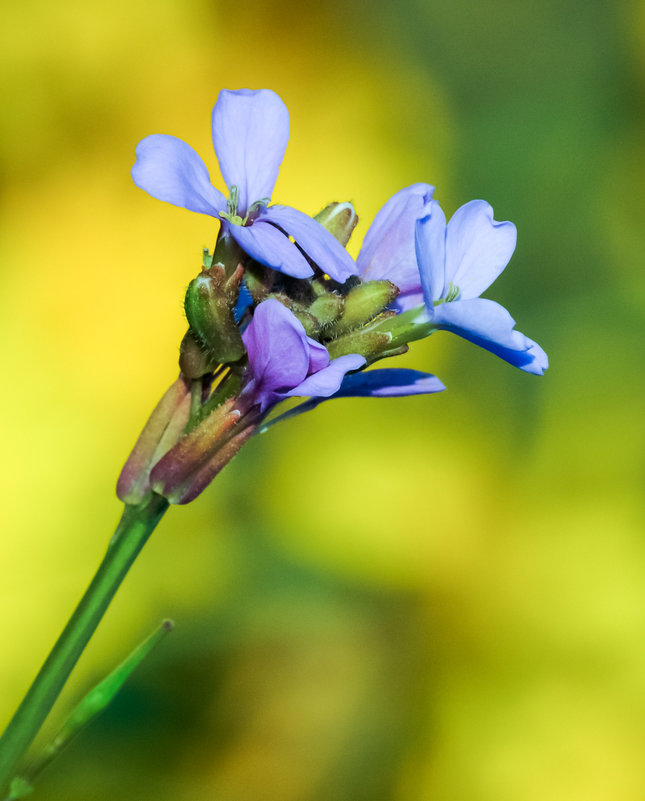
231, 213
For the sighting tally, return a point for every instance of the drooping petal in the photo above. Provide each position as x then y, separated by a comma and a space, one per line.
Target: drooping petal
388, 248
328, 380
318, 356
489, 325
430, 247
169, 169
266, 244
477, 248
277, 346
321, 247
250, 135
373, 384
388, 383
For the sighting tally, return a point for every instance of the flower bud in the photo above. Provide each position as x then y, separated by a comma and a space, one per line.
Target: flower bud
327, 308
209, 304
194, 360
363, 303
339, 219
164, 428
370, 344
198, 456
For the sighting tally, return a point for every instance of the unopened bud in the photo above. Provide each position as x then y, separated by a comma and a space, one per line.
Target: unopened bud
194, 360
370, 344
199, 455
327, 308
209, 304
259, 281
363, 303
339, 219
161, 432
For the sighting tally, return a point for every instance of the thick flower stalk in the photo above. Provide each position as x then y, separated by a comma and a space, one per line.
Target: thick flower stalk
280, 311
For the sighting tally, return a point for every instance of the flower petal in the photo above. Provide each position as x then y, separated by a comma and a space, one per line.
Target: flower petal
388, 383
407, 301
388, 248
277, 346
250, 135
328, 380
169, 169
430, 248
321, 246
489, 325
477, 248
318, 356
266, 244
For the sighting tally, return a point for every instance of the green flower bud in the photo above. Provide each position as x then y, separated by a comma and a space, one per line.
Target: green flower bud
259, 280
327, 308
370, 344
194, 360
162, 431
209, 304
339, 219
363, 303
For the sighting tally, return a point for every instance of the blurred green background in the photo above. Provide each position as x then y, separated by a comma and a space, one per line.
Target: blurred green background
430, 598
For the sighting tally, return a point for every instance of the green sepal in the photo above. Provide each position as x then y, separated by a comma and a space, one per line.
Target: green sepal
227, 253
209, 304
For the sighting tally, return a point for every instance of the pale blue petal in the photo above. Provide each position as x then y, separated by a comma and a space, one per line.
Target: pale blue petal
266, 244
477, 248
430, 246
328, 380
388, 248
489, 325
388, 383
250, 135
169, 169
321, 247
408, 301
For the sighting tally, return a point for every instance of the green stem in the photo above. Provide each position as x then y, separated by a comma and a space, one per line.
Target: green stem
136, 525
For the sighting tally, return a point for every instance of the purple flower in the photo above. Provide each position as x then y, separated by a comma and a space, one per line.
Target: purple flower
250, 134
284, 362
460, 260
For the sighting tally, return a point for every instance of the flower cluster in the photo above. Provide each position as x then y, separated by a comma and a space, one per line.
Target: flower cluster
280, 309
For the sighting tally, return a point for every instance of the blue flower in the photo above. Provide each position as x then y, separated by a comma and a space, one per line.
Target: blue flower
459, 261
250, 133
448, 266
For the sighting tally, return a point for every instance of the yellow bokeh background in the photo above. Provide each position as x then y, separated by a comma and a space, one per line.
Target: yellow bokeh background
427, 598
